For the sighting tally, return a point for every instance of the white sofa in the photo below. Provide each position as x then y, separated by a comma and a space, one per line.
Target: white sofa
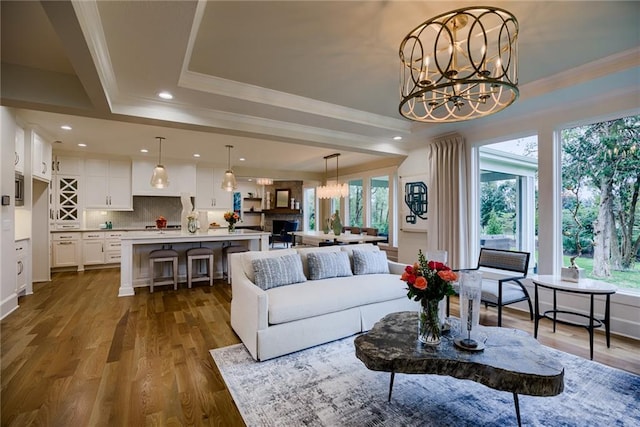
284, 319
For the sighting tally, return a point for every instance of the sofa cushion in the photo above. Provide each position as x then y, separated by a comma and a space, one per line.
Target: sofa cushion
317, 297
369, 262
248, 257
304, 252
358, 247
324, 265
278, 271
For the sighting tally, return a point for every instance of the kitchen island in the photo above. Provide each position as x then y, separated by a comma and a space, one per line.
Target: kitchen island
136, 247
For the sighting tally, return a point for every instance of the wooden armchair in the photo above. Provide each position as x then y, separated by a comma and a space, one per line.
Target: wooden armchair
500, 286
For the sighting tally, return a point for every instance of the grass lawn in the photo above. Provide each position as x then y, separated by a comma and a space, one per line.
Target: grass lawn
622, 279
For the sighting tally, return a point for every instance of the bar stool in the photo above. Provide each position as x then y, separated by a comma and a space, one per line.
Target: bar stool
162, 256
199, 254
226, 267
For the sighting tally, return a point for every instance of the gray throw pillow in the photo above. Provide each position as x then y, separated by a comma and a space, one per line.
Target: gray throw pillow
324, 265
280, 271
369, 262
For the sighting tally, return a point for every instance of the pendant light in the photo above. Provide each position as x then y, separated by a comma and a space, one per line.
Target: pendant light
460, 65
160, 179
229, 180
332, 191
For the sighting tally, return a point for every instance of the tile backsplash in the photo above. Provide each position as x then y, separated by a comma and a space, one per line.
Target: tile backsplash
145, 211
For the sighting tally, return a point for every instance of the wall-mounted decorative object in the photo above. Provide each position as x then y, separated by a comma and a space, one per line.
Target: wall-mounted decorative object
282, 198
415, 203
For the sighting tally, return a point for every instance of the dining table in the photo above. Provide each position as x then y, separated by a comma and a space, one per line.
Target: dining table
318, 237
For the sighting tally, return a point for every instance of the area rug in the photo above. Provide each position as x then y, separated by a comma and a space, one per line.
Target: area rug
328, 386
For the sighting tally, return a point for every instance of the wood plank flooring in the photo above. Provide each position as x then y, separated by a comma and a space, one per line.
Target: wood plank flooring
74, 354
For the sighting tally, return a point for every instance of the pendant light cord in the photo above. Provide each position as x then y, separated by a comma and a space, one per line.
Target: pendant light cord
160, 138
229, 147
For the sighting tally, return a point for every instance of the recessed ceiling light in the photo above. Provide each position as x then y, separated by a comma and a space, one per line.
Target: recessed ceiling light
397, 138
82, 144
196, 155
65, 127
144, 150
165, 95
242, 159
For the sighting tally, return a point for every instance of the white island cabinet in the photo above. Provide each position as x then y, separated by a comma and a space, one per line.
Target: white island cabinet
135, 249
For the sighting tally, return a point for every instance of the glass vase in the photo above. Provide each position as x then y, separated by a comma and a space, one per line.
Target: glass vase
429, 322
231, 227
192, 226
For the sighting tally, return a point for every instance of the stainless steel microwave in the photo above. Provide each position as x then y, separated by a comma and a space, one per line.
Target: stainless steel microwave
19, 195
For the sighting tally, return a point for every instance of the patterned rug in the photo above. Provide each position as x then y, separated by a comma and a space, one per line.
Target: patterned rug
328, 386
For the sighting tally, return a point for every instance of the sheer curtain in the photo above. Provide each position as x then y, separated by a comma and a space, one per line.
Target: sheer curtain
448, 198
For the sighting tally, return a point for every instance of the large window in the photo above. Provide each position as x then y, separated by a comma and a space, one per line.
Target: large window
356, 203
600, 196
380, 204
369, 203
309, 209
508, 182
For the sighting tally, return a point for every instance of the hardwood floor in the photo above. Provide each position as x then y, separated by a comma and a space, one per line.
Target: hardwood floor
74, 354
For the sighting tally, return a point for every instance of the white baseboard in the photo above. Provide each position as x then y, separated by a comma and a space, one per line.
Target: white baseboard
8, 305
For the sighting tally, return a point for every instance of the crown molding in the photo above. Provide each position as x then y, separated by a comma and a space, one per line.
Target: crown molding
606, 66
256, 127
88, 17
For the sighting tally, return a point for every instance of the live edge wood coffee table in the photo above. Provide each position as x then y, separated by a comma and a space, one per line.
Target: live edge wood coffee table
511, 361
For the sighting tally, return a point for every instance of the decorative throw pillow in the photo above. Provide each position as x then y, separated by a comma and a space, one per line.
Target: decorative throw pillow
370, 262
324, 265
273, 272
247, 258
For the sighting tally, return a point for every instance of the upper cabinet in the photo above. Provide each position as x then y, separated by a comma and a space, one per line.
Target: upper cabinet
107, 184
19, 154
40, 158
182, 179
63, 165
209, 194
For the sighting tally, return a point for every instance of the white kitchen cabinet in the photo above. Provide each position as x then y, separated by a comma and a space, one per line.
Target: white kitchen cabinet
64, 203
209, 194
19, 154
107, 184
22, 259
92, 247
40, 158
65, 249
182, 178
112, 246
66, 165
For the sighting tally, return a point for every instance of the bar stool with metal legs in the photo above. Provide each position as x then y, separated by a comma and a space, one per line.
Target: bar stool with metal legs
163, 256
197, 255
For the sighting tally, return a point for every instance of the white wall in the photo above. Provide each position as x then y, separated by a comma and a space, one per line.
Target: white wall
410, 242
8, 297
625, 308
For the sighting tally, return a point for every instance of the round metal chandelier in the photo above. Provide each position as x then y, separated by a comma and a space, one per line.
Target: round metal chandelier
460, 65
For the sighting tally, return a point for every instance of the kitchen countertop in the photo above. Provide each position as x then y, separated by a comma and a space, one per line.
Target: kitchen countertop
178, 235
78, 230
73, 230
